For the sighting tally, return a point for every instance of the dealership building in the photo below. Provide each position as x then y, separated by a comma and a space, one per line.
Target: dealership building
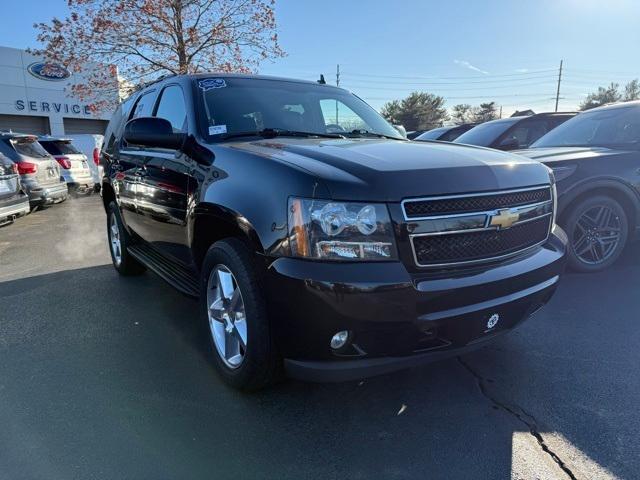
33, 98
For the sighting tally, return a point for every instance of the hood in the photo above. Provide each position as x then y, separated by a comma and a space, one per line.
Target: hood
390, 170
551, 155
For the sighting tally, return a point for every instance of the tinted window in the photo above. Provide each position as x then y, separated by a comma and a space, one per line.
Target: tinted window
454, 133
433, 134
486, 133
608, 127
172, 108
59, 148
29, 147
143, 106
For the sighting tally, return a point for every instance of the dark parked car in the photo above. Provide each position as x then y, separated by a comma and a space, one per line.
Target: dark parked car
596, 160
445, 134
39, 172
334, 250
14, 202
514, 132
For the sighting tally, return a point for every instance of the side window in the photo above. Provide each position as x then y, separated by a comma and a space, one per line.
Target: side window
340, 118
143, 106
173, 108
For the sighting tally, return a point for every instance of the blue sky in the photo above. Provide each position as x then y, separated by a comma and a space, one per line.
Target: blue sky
467, 51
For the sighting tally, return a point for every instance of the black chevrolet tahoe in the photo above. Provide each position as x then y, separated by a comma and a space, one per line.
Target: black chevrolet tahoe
319, 242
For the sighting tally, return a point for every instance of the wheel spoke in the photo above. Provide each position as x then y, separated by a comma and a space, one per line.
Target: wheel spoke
582, 246
225, 283
240, 330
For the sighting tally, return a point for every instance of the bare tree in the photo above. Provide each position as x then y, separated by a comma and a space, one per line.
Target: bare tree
143, 39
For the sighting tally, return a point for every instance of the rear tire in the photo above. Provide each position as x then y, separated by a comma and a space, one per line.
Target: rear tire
119, 240
598, 229
242, 344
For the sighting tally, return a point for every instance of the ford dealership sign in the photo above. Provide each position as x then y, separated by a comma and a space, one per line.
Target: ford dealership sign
48, 71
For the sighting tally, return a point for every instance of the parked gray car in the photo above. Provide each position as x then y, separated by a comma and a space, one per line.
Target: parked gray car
39, 172
14, 202
74, 165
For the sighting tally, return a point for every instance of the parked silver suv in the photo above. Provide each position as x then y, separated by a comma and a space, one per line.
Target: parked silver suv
74, 166
39, 172
13, 202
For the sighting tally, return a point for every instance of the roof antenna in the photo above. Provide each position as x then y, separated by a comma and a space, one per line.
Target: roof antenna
322, 81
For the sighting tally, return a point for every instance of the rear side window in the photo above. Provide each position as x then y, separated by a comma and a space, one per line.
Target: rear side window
60, 148
29, 148
173, 108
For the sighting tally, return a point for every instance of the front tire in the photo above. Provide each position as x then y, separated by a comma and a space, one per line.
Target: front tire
233, 306
598, 229
119, 240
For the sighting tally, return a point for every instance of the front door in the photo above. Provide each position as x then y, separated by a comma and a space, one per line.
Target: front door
163, 181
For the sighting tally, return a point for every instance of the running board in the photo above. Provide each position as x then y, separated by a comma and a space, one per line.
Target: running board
174, 274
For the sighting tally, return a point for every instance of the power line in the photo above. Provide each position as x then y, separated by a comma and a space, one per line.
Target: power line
440, 89
533, 72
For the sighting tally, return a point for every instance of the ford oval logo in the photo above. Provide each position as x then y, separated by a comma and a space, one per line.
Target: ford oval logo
48, 71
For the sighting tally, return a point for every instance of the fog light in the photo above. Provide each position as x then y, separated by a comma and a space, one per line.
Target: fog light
339, 340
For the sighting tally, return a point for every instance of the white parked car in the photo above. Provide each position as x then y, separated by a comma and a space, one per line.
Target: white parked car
74, 165
90, 145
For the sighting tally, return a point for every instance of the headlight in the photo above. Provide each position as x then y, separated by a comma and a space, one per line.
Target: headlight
327, 230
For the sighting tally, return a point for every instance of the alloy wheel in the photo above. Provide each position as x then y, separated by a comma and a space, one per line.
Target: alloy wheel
114, 238
227, 317
596, 235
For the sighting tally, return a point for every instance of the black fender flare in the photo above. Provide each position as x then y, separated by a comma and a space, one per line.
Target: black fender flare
209, 222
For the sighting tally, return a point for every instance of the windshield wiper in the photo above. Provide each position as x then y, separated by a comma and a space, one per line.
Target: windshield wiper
277, 132
367, 133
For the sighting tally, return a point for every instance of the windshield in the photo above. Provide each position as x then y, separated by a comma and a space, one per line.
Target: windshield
29, 147
59, 147
244, 105
433, 134
486, 133
603, 128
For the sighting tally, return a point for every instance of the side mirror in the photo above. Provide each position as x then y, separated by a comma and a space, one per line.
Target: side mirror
509, 143
153, 132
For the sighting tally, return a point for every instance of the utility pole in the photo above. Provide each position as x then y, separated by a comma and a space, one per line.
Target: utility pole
559, 80
337, 85
500, 111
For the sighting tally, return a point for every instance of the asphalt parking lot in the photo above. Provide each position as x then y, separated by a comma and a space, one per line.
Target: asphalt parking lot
107, 377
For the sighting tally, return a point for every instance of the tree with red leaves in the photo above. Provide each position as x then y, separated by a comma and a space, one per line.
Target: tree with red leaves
140, 40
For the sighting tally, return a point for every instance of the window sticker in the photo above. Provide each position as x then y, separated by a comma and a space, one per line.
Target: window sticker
217, 129
211, 83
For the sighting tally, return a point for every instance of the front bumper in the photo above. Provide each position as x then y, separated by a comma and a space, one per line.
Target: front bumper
399, 319
14, 208
48, 194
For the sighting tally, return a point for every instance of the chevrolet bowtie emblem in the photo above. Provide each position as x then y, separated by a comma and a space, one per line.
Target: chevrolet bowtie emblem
504, 218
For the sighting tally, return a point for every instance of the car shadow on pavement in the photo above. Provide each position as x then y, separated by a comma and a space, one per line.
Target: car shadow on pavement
106, 376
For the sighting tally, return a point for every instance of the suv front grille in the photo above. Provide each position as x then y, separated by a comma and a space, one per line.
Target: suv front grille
477, 245
439, 206
475, 228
